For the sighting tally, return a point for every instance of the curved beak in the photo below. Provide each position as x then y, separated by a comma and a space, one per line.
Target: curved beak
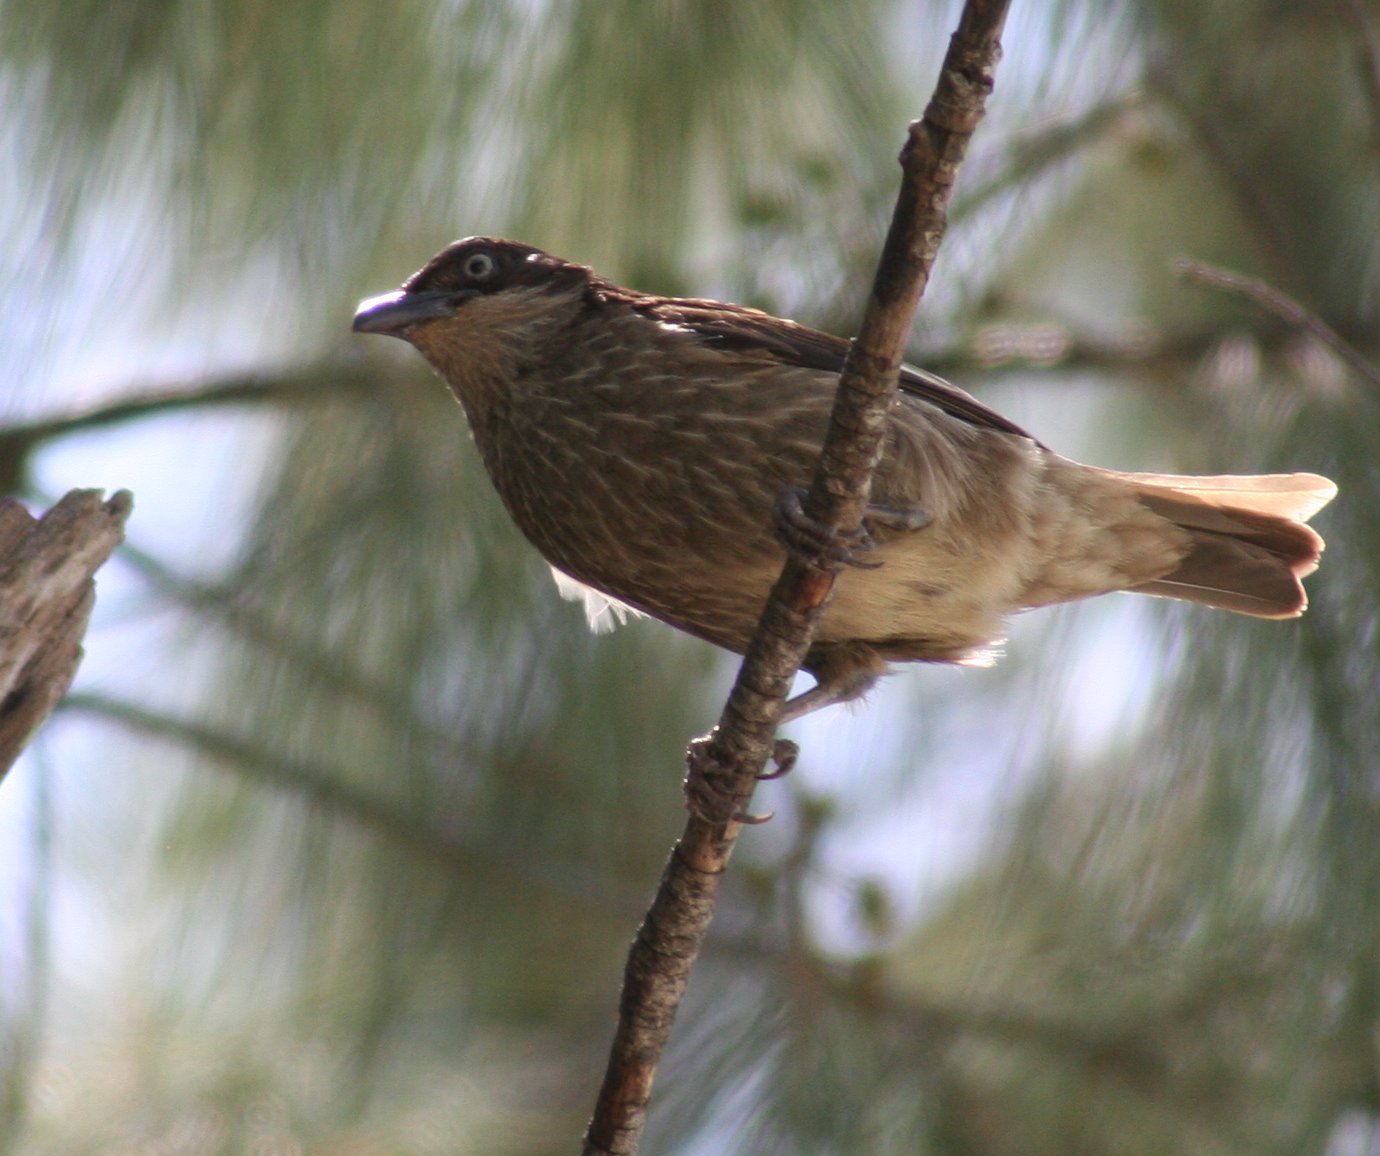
396, 312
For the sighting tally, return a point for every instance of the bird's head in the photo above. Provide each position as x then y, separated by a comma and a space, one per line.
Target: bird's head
477, 305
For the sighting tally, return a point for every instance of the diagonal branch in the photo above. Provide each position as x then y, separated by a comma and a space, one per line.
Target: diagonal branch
1286, 309
660, 959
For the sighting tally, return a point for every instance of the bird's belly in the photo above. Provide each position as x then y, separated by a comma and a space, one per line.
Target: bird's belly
929, 597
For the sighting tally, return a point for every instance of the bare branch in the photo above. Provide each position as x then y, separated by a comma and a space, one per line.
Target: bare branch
314, 383
659, 962
1285, 308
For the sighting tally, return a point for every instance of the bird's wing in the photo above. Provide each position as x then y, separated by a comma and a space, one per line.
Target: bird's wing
743, 330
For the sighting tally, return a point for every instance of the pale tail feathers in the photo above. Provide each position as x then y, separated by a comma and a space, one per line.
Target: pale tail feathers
1294, 496
1250, 546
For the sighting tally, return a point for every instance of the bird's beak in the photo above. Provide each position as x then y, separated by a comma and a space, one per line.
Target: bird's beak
396, 312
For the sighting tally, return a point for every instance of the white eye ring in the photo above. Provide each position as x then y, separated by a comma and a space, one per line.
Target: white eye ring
478, 266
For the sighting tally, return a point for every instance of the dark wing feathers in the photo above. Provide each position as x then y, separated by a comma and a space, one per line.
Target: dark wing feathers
956, 402
742, 330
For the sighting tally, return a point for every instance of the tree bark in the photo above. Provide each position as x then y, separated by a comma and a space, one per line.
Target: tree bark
46, 595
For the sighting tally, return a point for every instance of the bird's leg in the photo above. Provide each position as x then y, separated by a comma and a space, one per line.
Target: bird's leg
826, 549
842, 672
707, 782
827, 692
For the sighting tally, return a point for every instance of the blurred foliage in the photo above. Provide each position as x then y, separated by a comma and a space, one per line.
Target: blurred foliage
351, 861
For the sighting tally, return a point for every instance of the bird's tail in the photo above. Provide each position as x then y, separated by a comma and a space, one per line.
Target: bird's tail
1250, 544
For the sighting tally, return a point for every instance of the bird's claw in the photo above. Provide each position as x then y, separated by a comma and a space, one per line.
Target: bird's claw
825, 548
784, 754
708, 783
814, 543
708, 788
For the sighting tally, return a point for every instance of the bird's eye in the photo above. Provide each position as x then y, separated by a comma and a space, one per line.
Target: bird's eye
478, 266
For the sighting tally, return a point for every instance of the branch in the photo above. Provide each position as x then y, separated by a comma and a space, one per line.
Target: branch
46, 595
1285, 308
314, 383
659, 962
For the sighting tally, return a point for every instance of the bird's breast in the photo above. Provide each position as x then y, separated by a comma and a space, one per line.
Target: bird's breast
657, 490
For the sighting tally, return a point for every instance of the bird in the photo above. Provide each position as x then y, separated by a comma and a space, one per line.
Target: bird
653, 449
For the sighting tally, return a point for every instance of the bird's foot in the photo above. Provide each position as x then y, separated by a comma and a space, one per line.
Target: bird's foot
825, 548
709, 783
815, 544
784, 754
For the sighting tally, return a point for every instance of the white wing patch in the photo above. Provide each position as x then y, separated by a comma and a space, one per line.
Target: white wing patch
602, 612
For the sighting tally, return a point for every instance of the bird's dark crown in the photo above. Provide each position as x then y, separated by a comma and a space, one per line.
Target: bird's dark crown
490, 265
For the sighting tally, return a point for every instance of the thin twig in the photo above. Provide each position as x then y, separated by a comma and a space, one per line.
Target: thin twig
313, 383
1285, 308
667, 943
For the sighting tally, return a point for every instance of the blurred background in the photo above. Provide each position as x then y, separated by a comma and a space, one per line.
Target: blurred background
338, 842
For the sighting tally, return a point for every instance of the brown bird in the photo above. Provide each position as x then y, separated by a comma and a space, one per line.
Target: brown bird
651, 447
